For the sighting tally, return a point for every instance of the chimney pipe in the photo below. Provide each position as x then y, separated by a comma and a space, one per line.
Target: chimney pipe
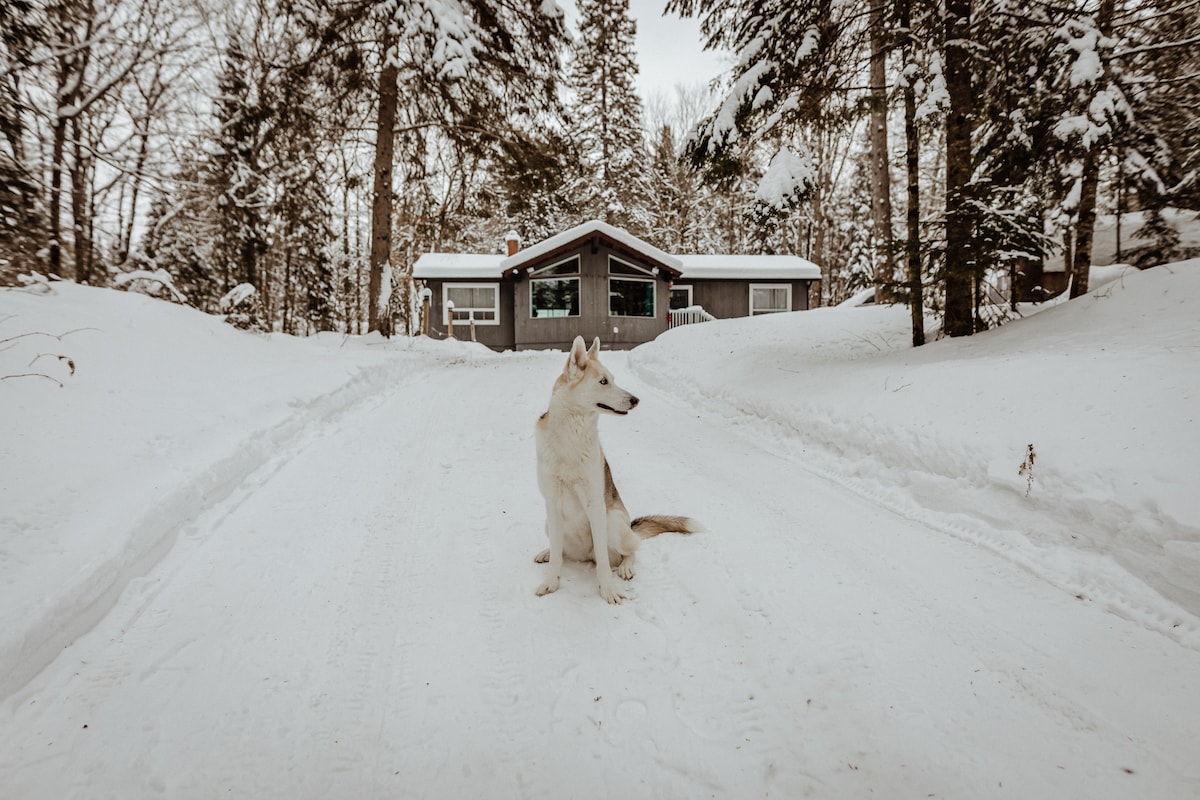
513, 241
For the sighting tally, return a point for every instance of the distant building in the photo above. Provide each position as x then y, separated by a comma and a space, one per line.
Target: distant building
599, 280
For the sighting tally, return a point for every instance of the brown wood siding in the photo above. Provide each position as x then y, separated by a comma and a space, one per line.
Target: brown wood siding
726, 299
721, 298
593, 320
497, 337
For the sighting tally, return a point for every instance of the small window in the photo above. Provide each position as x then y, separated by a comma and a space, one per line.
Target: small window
631, 297
770, 298
681, 297
473, 302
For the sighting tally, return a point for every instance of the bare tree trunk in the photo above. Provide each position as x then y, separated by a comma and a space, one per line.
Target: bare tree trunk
55, 204
912, 145
80, 205
959, 316
135, 189
381, 209
881, 179
288, 299
1085, 227
1120, 201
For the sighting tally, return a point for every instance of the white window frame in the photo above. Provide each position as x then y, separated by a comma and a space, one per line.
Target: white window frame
536, 274
578, 283
624, 276
679, 288
647, 272
630, 279
446, 287
788, 303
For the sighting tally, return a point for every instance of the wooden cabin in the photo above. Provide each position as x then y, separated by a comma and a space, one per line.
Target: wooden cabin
599, 280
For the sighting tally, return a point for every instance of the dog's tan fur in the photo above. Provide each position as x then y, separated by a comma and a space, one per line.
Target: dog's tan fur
585, 517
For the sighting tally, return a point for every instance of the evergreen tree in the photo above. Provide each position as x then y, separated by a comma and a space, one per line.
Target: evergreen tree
236, 168
788, 96
259, 210
674, 191
1160, 156
183, 236
533, 179
606, 116
477, 72
22, 223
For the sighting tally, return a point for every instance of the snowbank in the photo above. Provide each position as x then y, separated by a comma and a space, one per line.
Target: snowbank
336, 537
1104, 389
166, 412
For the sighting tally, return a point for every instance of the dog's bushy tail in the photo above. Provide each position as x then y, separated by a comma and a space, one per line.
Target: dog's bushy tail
654, 524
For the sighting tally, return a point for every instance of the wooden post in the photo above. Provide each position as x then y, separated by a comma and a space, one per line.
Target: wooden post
471, 319
450, 319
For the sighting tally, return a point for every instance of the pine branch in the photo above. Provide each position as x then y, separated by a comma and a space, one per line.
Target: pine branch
1149, 48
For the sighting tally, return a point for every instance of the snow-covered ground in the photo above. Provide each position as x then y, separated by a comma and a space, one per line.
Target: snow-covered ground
266, 567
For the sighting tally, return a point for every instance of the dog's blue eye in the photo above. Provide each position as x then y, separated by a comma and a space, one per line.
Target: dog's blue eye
604, 381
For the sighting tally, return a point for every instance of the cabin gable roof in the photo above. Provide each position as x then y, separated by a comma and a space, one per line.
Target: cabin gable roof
615, 238
494, 266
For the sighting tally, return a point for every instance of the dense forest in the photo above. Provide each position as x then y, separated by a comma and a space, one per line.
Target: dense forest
940, 152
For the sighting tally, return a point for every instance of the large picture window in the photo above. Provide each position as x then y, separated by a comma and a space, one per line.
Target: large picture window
631, 290
770, 298
554, 290
473, 302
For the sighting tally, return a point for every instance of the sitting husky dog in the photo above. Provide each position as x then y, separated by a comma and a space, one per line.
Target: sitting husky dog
585, 518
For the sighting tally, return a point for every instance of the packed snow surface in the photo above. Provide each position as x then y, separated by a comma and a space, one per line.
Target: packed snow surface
256, 566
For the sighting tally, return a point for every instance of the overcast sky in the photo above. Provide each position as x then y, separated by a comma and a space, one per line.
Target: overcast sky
670, 49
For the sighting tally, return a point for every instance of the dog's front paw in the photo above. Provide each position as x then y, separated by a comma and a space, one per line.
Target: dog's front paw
549, 586
625, 570
542, 557
610, 593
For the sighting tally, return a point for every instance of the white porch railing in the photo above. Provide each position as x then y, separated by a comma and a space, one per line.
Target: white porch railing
688, 316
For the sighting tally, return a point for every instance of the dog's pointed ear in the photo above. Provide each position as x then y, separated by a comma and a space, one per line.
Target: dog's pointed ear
578, 359
595, 348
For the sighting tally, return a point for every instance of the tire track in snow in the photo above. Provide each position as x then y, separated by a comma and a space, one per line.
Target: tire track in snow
728, 635
71, 614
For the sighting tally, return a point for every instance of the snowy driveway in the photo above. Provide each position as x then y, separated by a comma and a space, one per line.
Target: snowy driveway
358, 620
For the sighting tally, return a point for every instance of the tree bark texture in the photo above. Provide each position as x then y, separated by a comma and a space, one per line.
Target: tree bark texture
881, 180
912, 150
1085, 225
54, 210
381, 207
959, 316
80, 206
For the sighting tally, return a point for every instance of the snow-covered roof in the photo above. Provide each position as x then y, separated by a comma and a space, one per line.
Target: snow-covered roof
458, 265
741, 267
491, 266
594, 226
